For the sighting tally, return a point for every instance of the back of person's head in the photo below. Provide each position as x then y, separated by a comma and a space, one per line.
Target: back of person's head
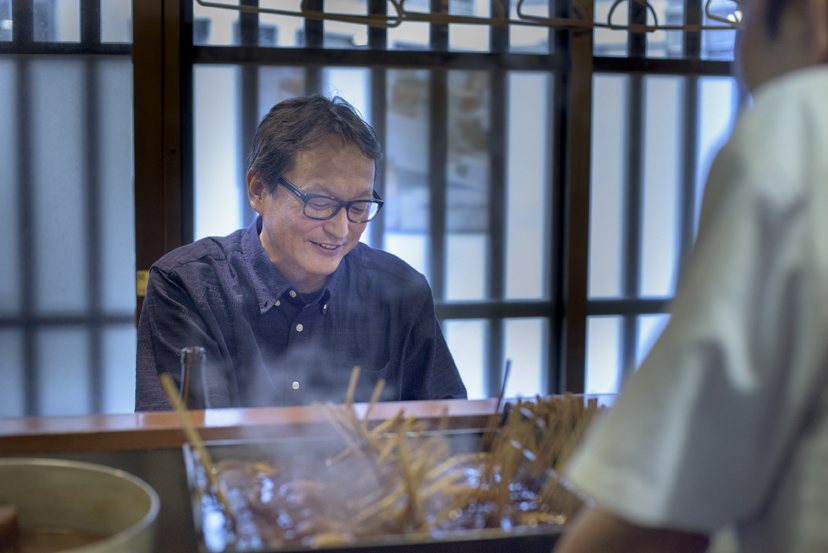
782, 36
301, 124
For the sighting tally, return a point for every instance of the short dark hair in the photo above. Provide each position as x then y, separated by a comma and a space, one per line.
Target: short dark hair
301, 124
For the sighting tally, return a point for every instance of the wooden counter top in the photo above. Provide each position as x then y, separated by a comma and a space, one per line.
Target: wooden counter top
38, 435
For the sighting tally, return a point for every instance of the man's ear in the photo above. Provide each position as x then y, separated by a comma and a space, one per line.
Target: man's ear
256, 191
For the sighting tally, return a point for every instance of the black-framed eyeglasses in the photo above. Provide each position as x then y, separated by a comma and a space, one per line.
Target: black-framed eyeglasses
323, 208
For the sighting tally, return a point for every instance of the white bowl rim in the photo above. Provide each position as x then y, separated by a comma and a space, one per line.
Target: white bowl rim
104, 543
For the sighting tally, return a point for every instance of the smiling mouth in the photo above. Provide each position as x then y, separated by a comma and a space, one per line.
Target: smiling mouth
326, 246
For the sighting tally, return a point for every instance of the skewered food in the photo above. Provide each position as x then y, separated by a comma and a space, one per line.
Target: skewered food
400, 478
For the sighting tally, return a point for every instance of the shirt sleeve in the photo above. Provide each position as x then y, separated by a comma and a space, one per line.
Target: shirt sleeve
170, 322
429, 371
698, 435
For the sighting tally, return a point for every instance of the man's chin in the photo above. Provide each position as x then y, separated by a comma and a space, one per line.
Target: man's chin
323, 268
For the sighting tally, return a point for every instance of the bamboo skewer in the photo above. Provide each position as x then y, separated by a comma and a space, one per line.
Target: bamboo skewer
195, 441
374, 397
349, 395
494, 418
408, 481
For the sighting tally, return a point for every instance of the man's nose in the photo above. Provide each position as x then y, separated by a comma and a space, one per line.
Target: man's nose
338, 224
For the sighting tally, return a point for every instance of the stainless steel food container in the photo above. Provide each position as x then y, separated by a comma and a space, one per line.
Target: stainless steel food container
56, 494
523, 539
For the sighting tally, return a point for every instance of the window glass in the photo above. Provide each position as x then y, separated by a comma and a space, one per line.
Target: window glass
525, 344
528, 165
411, 247
410, 35
63, 371
650, 328
73, 285
407, 195
719, 44
56, 21
119, 351
466, 271
281, 30
117, 194
468, 184
116, 21
5, 21
526, 39
10, 157
666, 44
58, 128
609, 42
466, 37
603, 358
215, 26
277, 84
662, 182
352, 84
219, 171
718, 100
466, 340
529, 39
608, 165
339, 34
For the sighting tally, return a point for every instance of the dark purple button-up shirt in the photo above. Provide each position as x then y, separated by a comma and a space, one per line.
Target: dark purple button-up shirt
268, 345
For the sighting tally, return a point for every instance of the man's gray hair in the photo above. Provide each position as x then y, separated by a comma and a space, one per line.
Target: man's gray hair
301, 124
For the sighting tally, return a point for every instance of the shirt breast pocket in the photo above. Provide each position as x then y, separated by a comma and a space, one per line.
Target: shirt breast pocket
368, 379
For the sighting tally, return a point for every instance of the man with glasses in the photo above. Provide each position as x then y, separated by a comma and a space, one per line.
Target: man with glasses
287, 307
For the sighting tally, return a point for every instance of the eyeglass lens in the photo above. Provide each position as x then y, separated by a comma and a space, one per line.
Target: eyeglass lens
358, 212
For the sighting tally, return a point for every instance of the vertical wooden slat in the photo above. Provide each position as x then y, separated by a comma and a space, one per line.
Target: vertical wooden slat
377, 40
183, 140
496, 266
249, 108
175, 186
632, 208
90, 23
314, 38
23, 22
158, 124
558, 132
379, 106
25, 209
439, 32
93, 239
438, 157
438, 180
578, 149
687, 215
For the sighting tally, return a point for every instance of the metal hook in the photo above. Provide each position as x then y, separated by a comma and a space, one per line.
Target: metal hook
646, 27
734, 24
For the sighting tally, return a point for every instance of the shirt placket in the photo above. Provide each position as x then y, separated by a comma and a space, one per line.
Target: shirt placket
299, 336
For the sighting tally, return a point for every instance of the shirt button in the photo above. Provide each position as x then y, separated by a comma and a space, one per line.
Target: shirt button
295, 385
292, 294
278, 303
299, 328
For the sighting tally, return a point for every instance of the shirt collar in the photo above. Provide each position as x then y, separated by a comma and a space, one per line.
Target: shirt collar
268, 282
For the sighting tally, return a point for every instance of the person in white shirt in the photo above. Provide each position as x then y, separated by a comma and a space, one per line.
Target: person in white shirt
726, 421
